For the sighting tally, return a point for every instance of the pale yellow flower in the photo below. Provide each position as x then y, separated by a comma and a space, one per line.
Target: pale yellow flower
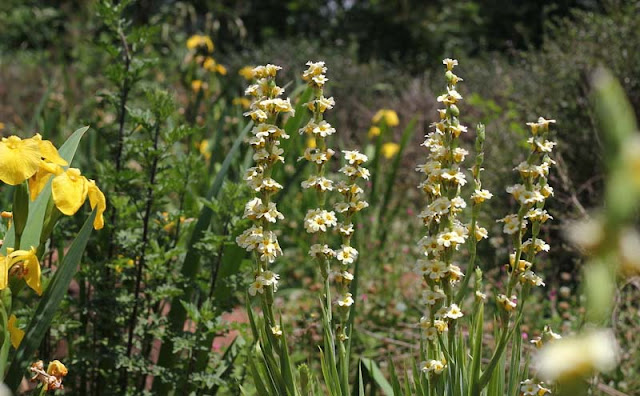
389, 116
389, 150
199, 41
373, 132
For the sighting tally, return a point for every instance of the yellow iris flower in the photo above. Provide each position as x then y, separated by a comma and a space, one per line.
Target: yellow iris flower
69, 190
30, 268
196, 41
389, 150
97, 200
390, 117
15, 333
19, 159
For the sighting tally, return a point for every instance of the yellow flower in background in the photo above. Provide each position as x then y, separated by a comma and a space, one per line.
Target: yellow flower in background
97, 201
221, 70
373, 132
197, 85
247, 72
19, 159
244, 102
1, 126
15, 333
30, 268
211, 65
389, 150
69, 191
389, 116
203, 148
199, 41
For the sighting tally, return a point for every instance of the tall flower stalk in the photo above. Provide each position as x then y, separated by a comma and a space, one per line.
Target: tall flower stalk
447, 364
320, 220
445, 232
265, 111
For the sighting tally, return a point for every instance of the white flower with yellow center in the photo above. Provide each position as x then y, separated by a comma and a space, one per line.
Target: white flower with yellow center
450, 63
454, 312
480, 196
276, 331
439, 206
323, 129
256, 287
509, 304
321, 251
529, 388
345, 301
346, 254
354, 157
438, 270
345, 229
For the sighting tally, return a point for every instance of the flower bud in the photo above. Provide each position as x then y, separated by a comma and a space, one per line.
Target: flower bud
454, 111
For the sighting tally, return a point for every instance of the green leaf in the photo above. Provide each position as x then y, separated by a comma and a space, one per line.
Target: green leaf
378, 377
48, 305
31, 235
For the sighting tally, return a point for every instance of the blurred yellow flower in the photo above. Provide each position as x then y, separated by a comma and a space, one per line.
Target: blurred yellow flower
19, 159
245, 103
15, 333
197, 85
211, 65
389, 150
1, 126
203, 148
199, 41
373, 132
577, 357
389, 116
247, 72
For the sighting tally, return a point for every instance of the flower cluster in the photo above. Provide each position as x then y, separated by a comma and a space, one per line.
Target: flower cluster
50, 379
352, 202
265, 111
529, 387
319, 220
382, 121
445, 232
200, 49
37, 160
530, 194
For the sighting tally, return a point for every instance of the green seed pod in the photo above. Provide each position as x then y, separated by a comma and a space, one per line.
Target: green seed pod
454, 110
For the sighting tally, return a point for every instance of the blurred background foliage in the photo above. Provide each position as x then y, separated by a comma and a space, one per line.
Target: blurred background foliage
519, 60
